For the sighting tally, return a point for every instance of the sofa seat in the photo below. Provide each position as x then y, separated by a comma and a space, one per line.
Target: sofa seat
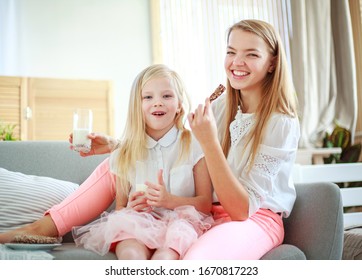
69, 251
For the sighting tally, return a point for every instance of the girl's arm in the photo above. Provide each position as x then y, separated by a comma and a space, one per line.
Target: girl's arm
158, 196
231, 193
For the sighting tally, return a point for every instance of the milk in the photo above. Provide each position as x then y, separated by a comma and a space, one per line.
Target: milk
82, 126
145, 171
81, 143
141, 187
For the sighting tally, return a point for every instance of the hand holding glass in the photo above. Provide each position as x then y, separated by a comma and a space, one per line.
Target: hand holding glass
82, 126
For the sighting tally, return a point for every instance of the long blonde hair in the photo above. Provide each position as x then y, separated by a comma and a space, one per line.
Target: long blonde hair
133, 142
278, 91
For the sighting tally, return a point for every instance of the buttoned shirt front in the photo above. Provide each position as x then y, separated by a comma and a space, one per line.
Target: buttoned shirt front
177, 176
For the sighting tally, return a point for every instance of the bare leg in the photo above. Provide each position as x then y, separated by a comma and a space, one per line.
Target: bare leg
132, 249
165, 254
44, 226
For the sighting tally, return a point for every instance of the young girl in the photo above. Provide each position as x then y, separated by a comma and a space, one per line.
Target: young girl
161, 222
251, 163
155, 223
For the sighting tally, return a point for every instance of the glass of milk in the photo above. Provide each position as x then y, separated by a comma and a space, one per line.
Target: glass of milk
82, 126
145, 171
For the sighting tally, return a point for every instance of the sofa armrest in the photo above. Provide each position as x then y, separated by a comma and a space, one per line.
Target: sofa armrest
316, 223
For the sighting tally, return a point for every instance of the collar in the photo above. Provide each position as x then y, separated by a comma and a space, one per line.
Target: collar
168, 139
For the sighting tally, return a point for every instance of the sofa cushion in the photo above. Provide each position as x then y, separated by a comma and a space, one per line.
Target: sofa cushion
25, 198
352, 248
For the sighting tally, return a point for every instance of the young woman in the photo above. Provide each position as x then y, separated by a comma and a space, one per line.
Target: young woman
249, 138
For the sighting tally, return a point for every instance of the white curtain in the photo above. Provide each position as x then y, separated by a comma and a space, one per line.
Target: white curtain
323, 66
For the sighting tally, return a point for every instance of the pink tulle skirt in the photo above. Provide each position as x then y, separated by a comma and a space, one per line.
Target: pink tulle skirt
176, 229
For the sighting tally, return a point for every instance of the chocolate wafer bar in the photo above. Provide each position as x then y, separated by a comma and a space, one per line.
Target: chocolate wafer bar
218, 91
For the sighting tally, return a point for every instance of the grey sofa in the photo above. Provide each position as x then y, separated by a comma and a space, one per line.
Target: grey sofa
313, 231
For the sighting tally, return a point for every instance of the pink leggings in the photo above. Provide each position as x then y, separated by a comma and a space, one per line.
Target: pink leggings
248, 240
245, 240
93, 197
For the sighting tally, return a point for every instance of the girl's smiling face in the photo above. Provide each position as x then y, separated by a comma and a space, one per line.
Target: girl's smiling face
247, 62
160, 105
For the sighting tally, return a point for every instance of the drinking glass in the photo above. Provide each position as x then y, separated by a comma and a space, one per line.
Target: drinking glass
145, 171
82, 126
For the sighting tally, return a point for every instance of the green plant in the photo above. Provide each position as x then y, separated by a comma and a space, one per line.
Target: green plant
7, 132
341, 137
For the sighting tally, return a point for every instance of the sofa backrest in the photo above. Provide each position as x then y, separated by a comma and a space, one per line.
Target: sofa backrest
47, 158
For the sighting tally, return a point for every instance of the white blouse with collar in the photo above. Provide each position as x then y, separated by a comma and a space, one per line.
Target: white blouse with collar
178, 178
269, 182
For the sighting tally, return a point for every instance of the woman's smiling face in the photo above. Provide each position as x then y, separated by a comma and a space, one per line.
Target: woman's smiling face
247, 61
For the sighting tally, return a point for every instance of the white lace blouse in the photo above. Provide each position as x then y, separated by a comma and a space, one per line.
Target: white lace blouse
269, 182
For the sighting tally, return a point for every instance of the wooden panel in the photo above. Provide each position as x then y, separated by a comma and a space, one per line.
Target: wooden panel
11, 98
336, 173
53, 101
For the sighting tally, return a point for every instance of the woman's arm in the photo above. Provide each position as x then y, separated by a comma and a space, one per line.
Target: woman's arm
101, 144
231, 193
159, 197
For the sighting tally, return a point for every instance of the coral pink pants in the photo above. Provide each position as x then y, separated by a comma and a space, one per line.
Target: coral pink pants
244, 240
249, 239
93, 197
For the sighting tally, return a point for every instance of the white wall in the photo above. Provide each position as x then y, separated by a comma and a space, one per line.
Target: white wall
81, 39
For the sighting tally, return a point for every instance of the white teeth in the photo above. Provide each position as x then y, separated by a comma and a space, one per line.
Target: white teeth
240, 73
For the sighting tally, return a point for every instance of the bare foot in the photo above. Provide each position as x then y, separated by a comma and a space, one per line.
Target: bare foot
45, 227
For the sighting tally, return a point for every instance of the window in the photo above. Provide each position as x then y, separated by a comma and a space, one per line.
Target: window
190, 36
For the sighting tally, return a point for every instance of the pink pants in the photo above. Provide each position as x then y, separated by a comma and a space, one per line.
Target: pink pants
245, 240
93, 197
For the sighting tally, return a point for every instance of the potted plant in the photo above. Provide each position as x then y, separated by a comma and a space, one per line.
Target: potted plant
7, 132
341, 137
